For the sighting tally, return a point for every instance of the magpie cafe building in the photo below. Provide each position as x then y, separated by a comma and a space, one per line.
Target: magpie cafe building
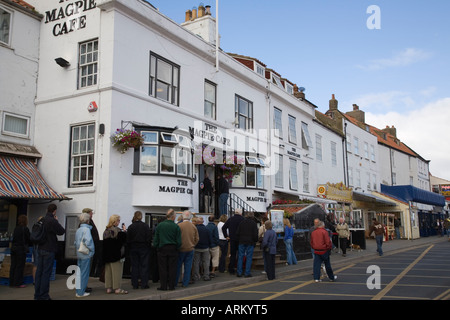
108, 65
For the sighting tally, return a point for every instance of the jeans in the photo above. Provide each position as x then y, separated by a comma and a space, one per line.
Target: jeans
397, 232
85, 267
43, 274
318, 259
223, 203
379, 240
186, 259
290, 254
245, 250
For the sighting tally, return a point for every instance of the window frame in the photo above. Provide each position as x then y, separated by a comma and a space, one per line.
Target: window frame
86, 182
11, 17
238, 114
12, 133
173, 87
278, 122
306, 138
93, 63
293, 175
214, 104
292, 129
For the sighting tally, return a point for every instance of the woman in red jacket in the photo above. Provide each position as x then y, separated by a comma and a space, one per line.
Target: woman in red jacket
321, 243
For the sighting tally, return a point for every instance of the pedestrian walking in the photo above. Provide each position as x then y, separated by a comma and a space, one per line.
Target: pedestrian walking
189, 239
83, 237
343, 234
214, 250
19, 248
114, 241
46, 253
229, 231
168, 241
269, 247
138, 241
397, 226
321, 243
223, 243
202, 255
288, 242
380, 233
247, 235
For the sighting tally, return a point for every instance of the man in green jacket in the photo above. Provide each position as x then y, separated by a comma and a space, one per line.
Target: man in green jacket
167, 241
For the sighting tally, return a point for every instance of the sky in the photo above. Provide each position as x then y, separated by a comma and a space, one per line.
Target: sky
391, 58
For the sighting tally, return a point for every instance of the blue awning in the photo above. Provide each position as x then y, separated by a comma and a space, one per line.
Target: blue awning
410, 193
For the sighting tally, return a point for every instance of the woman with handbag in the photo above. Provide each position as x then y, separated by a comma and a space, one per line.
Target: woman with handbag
19, 249
85, 250
114, 240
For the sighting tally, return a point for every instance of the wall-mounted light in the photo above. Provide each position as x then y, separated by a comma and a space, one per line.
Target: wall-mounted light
62, 62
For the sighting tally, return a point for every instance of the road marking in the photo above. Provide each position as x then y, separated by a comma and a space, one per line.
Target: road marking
288, 291
443, 296
386, 289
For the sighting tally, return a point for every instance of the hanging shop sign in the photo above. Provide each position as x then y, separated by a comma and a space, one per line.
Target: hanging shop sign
69, 16
336, 191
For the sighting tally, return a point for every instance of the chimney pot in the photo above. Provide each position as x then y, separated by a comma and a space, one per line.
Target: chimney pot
208, 9
194, 13
333, 103
355, 107
188, 15
201, 10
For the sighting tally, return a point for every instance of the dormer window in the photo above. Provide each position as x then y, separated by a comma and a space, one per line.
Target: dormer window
260, 69
276, 80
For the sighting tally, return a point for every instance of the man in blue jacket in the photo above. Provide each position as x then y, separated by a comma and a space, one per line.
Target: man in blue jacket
201, 255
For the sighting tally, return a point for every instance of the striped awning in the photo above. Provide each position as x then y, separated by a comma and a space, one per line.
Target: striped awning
21, 179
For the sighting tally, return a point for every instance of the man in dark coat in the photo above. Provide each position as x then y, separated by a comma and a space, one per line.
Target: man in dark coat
247, 235
229, 232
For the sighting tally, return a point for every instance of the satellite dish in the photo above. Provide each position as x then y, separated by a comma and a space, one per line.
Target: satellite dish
301, 89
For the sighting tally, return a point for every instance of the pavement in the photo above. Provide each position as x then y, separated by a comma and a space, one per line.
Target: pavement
59, 289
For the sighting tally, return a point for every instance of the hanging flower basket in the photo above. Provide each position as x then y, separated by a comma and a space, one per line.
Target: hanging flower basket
122, 140
231, 166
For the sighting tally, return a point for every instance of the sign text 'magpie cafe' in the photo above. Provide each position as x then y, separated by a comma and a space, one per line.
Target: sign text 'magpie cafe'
69, 16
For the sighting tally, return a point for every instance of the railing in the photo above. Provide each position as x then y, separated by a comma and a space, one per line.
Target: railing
235, 202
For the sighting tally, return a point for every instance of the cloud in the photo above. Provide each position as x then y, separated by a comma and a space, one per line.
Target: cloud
381, 101
403, 58
424, 130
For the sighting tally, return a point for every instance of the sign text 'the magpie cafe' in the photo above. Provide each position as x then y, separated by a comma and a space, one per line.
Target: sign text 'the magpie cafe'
69, 16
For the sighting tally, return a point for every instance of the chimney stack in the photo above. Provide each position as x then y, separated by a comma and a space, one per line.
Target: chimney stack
391, 130
298, 94
188, 16
357, 114
201, 10
333, 103
194, 13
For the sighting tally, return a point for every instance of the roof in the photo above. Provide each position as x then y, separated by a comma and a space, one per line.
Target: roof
21, 179
23, 4
410, 193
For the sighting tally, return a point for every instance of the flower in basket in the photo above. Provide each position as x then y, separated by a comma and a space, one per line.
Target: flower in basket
122, 140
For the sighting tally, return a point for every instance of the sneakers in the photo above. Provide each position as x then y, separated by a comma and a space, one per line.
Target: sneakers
334, 279
86, 294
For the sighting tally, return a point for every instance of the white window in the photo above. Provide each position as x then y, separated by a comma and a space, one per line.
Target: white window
306, 139
251, 177
349, 143
82, 155
318, 147
260, 69
149, 152
366, 150
356, 145
358, 178
305, 177
293, 177
350, 177
368, 181
167, 160
88, 64
372, 152
169, 137
16, 125
289, 88
210, 100
259, 178
252, 160
5, 26
292, 130
279, 171
277, 123
164, 79
333, 154
374, 182
276, 80
243, 113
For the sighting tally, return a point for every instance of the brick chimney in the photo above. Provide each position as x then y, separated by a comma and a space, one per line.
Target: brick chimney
333, 105
200, 22
297, 93
391, 130
357, 114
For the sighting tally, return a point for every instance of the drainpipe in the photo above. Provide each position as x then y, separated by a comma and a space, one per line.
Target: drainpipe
217, 35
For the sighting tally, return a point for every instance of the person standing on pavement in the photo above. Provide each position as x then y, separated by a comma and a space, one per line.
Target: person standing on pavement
223, 192
114, 241
380, 233
96, 261
223, 243
229, 231
343, 234
84, 235
214, 250
321, 243
288, 242
138, 241
269, 247
247, 235
447, 227
397, 227
19, 248
202, 256
46, 253
189, 239
168, 241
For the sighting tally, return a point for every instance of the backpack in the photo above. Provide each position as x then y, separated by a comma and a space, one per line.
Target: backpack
38, 234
